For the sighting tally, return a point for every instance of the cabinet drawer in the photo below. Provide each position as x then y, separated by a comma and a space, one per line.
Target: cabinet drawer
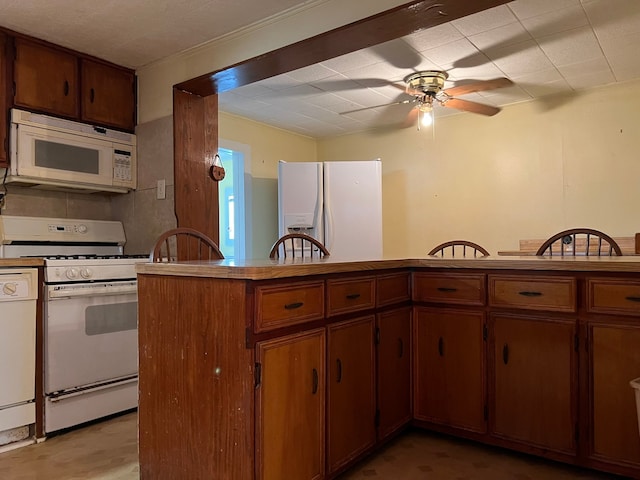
288, 304
392, 288
615, 295
557, 294
460, 289
353, 295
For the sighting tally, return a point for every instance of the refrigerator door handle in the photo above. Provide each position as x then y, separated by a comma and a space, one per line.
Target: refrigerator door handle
328, 226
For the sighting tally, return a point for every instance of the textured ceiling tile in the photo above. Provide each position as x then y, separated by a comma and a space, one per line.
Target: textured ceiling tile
555, 22
520, 59
483, 21
531, 8
433, 37
501, 36
451, 52
573, 46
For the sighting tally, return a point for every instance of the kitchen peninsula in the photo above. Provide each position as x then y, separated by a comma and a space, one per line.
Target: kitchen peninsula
273, 369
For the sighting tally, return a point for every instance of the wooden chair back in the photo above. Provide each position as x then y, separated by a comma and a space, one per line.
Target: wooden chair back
184, 243
459, 248
580, 241
298, 245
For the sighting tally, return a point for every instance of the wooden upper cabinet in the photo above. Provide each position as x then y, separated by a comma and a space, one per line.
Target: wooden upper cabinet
46, 79
4, 147
108, 95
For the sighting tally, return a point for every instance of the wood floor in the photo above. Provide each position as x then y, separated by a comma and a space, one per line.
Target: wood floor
108, 451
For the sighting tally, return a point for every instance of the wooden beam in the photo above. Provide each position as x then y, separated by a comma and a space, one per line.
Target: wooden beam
385, 26
195, 134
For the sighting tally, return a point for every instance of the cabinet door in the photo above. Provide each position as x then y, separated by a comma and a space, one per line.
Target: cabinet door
46, 79
614, 362
290, 403
351, 390
534, 382
449, 368
394, 370
108, 95
4, 144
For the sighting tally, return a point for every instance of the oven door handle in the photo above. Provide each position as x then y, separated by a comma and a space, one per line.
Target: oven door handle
56, 292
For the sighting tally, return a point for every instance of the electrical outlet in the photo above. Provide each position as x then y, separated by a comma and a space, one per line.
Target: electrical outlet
161, 192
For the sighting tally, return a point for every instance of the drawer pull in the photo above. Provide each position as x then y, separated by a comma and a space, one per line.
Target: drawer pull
441, 347
526, 293
315, 381
293, 306
505, 354
447, 289
633, 298
339, 368
353, 296
400, 348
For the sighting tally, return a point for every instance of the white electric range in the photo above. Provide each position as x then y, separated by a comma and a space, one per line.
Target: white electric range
90, 314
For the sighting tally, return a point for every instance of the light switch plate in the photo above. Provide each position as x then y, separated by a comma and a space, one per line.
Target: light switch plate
161, 192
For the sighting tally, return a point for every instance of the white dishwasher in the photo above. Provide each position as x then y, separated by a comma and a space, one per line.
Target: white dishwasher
18, 297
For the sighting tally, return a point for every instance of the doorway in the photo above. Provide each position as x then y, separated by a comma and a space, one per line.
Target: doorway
232, 200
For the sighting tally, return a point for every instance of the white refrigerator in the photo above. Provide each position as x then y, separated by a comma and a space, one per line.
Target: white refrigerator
339, 203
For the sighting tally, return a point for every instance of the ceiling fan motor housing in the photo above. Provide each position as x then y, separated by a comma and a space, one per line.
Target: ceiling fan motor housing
427, 82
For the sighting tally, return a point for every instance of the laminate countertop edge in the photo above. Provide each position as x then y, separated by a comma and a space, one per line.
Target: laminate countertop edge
21, 262
266, 269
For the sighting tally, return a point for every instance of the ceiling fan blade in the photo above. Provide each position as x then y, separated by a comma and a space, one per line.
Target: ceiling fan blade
478, 86
473, 107
412, 118
402, 102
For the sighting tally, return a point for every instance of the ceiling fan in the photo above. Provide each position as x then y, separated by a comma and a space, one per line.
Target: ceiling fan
427, 89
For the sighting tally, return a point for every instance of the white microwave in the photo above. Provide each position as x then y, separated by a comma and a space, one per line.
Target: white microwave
53, 153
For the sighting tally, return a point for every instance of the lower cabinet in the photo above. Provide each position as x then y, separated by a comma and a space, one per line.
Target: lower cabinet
449, 369
350, 390
614, 361
290, 403
533, 384
394, 370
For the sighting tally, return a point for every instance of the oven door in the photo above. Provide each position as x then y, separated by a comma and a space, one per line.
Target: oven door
91, 333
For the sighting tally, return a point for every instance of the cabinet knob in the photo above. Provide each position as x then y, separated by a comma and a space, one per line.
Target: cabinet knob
441, 347
400, 348
339, 370
66, 88
92, 95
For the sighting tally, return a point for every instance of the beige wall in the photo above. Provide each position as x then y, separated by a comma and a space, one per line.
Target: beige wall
528, 172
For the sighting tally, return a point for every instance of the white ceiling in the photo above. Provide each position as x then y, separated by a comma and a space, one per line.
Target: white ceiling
544, 46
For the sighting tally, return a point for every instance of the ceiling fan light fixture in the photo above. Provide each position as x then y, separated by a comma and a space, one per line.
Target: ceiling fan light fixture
426, 115
428, 81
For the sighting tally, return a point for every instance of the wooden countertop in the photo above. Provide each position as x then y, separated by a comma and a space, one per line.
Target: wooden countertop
21, 262
266, 269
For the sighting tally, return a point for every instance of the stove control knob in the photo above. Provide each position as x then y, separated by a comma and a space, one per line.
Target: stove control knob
72, 273
82, 228
9, 288
86, 273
